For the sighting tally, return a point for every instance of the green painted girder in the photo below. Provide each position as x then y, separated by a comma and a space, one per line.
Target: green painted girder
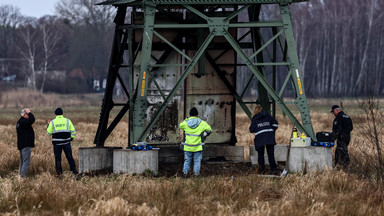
199, 2
218, 26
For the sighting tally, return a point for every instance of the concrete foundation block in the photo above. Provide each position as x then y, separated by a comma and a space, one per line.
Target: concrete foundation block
310, 159
232, 153
173, 154
130, 161
170, 154
280, 154
96, 159
301, 159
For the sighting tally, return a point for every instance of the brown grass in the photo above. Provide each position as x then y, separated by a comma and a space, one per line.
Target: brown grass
330, 192
24, 98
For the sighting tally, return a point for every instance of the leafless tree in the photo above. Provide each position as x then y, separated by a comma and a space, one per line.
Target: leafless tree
28, 48
50, 37
371, 131
86, 12
92, 31
10, 17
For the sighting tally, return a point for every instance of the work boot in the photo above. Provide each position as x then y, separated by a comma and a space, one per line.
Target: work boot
78, 177
196, 175
185, 175
275, 172
261, 170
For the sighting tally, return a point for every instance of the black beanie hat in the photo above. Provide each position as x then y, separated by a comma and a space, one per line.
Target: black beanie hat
193, 112
59, 111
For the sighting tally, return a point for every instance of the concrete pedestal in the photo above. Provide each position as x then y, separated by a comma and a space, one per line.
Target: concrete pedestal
96, 159
301, 159
232, 153
280, 154
130, 161
310, 159
173, 154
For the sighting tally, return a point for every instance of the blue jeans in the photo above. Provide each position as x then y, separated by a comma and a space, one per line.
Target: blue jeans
25, 161
197, 156
57, 149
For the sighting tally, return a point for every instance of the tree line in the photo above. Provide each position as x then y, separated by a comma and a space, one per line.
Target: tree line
77, 38
339, 45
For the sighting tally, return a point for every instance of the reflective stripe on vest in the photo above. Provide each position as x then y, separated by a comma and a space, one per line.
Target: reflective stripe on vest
195, 135
183, 143
58, 139
263, 131
59, 131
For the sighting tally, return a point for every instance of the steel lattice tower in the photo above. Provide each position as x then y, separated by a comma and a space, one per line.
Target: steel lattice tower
170, 55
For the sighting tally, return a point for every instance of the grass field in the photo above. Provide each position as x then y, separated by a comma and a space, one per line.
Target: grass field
332, 192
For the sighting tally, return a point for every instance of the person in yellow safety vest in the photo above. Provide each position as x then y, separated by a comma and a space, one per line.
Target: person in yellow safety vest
63, 132
195, 132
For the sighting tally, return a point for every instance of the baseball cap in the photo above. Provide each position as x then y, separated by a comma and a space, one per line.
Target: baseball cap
334, 107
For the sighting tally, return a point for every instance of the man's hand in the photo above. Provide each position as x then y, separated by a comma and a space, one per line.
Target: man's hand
27, 111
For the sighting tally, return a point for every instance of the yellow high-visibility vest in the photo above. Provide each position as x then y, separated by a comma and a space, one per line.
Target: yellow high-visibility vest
61, 129
193, 128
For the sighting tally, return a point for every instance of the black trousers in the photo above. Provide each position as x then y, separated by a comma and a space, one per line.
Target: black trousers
271, 157
341, 152
57, 149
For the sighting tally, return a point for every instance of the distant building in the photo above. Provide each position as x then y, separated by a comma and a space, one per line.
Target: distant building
77, 73
58, 75
10, 78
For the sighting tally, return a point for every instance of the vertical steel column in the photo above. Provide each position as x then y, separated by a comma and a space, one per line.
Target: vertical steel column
114, 66
141, 103
263, 99
131, 84
296, 75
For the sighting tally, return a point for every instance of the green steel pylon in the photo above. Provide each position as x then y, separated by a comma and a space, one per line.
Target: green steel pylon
170, 48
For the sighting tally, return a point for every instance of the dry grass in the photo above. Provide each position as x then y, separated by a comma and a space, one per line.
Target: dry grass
321, 193
22, 98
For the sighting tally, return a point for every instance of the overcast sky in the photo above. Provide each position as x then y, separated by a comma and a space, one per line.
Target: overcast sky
35, 8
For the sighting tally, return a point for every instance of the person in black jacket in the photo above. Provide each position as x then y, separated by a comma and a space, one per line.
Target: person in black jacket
25, 140
342, 127
264, 127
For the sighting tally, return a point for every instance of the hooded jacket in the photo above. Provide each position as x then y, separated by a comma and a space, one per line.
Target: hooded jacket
194, 128
264, 127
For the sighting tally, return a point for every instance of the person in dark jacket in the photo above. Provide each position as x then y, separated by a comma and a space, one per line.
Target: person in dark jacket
25, 140
264, 127
342, 127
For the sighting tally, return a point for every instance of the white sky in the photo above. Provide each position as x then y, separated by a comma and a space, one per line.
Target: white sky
34, 8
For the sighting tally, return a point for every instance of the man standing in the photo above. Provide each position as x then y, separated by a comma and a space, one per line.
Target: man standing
25, 140
63, 132
195, 132
264, 127
342, 127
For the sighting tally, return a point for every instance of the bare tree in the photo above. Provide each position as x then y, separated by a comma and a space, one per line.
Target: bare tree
361, 81
86, 12
28, 48
92, 31
50, 37
372, 130
10, 17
